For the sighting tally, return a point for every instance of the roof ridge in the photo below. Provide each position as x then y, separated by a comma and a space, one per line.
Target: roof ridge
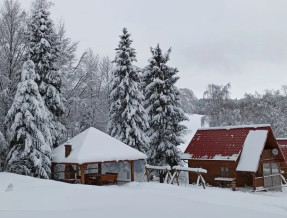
235, 127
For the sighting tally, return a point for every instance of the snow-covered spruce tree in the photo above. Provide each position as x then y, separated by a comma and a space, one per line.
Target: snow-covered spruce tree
162, 105
44, 47
128, 119
29, 133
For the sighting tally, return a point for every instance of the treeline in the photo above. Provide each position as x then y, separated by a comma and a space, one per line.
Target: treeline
47, 94
221, 110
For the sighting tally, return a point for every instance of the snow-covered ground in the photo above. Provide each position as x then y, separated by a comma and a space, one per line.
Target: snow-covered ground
192, 125
36, 198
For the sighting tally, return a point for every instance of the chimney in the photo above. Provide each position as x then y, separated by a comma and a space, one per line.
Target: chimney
68, 148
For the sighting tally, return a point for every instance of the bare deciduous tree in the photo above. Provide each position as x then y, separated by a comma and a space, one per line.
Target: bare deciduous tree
12, 50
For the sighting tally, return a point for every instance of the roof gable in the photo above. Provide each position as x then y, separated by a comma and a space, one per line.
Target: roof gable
283, 147
93, 146
222, 143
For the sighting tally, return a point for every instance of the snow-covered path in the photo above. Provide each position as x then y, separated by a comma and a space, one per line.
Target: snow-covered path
34, 198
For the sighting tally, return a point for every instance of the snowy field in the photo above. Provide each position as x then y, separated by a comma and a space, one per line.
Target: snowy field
192, 125
35, 198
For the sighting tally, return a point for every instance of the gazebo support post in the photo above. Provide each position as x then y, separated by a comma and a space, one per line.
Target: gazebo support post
83, 166
147, 173
77, 171
53, 170
132, 170
254, 181
100, 168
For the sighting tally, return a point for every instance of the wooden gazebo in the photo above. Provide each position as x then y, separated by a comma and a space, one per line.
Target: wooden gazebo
93, 147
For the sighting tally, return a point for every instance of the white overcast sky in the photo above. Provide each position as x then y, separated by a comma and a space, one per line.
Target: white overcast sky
213, 41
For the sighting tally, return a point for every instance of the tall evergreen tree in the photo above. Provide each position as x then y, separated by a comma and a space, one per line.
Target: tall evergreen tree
29, 133
128, 119
44, 52
162, 105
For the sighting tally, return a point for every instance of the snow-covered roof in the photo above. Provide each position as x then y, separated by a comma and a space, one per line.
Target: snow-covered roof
252, 149
236, 127
92, 145
186, 156
220, 143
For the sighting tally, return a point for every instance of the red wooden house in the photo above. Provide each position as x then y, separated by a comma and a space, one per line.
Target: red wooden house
247, 155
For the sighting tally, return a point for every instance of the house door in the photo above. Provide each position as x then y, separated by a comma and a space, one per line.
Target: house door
271, 174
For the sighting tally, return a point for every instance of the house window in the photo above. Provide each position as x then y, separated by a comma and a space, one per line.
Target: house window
271, 174
224, 172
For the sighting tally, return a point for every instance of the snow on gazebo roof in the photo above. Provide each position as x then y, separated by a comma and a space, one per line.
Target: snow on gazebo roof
92, 146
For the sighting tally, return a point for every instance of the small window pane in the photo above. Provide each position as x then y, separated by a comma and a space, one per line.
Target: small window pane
222, 171
267, 182
276, 181
266, 169
226, 172
275, 168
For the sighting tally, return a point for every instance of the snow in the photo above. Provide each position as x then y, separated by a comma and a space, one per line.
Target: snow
93, 145
233, 157
235, 127
252, 149
188, 169
192, 125
158, 167
221, 157
186, 156
141, 200
281, 138
224, 179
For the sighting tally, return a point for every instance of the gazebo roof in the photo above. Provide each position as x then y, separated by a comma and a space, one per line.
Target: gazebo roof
94, 146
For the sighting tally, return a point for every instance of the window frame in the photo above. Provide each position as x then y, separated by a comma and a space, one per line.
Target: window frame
224, 171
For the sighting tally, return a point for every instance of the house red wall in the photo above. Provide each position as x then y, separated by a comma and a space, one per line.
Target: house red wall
213, 168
